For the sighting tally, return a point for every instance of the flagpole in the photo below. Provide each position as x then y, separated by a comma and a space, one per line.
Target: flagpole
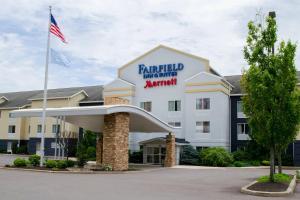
45, 94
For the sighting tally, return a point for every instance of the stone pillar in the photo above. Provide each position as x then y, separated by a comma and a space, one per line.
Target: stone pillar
170, 159
115, 141
99, 150
115, 100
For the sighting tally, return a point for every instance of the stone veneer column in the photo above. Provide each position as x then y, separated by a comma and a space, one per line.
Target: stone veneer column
99, 150
115, 141
170, 158
115, 100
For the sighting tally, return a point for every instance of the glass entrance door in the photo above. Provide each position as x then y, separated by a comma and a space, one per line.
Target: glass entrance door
155, 155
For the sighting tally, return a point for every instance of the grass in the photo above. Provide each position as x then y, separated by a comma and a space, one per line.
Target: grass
278, 178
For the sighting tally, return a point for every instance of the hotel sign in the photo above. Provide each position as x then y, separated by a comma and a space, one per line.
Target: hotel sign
168, 73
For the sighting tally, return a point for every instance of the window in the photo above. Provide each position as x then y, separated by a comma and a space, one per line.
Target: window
55, 128
239, 106
175, 105
203, 104
175, 124
39, 128
146, 105
203, 126
11, 129
243, 128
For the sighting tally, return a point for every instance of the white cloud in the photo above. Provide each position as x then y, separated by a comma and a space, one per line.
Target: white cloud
103, 35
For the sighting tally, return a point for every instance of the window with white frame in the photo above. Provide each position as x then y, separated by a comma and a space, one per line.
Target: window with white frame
243, 128
239, 105
175, 124
203, 126
11, 129
147, 105
202, 104
39, 128
175, 105
55, 128
239, 109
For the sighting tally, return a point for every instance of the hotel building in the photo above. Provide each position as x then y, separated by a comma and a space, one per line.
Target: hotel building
179, 88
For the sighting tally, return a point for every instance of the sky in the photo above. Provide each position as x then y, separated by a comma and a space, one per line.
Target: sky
104, 35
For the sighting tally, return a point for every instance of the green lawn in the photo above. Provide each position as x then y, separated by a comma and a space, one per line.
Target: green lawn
278, 178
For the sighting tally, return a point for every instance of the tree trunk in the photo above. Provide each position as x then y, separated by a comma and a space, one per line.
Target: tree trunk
279, 162
272, 163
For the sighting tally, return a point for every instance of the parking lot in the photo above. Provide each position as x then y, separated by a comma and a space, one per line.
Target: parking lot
159, 183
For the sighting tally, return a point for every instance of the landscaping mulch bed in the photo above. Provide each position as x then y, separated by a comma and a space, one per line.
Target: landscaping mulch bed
269, 187
37, 168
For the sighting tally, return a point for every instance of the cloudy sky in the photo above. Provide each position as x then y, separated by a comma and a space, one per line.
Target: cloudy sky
104, 35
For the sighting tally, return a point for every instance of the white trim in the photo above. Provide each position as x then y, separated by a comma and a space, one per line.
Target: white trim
119, 79
210, 74
3, 97
81, 91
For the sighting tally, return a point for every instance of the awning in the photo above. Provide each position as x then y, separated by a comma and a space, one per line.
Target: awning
92, 117
178, 141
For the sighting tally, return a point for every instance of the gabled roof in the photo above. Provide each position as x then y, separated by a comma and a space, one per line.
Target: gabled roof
179, 141
60, 94
206, 61
19, 99
3, 98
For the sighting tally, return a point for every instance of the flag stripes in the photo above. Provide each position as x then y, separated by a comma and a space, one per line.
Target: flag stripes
55, 30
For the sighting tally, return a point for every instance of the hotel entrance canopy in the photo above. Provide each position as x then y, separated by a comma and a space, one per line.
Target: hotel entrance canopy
92, 117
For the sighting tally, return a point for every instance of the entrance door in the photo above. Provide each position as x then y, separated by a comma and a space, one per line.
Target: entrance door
155, 155
38, 148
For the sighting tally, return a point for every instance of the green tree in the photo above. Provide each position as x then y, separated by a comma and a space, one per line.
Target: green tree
86, 148
272, 100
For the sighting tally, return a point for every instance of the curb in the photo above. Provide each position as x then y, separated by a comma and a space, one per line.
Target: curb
290, 190
78, 172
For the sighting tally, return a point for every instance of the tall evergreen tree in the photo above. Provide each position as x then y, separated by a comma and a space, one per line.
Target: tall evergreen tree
272, 101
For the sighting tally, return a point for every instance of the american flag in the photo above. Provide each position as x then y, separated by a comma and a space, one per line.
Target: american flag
55, 30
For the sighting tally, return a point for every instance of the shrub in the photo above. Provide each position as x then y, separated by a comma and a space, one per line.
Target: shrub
61, 164
189, 156
240, 164
278, 178
298, 174
107, 167
70, 163
19, 162
91, 152
3, 150
255, 163
51, 163
86, 149
240, 155
216, 156
136, 157
22, 149
34, 160
265, 163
